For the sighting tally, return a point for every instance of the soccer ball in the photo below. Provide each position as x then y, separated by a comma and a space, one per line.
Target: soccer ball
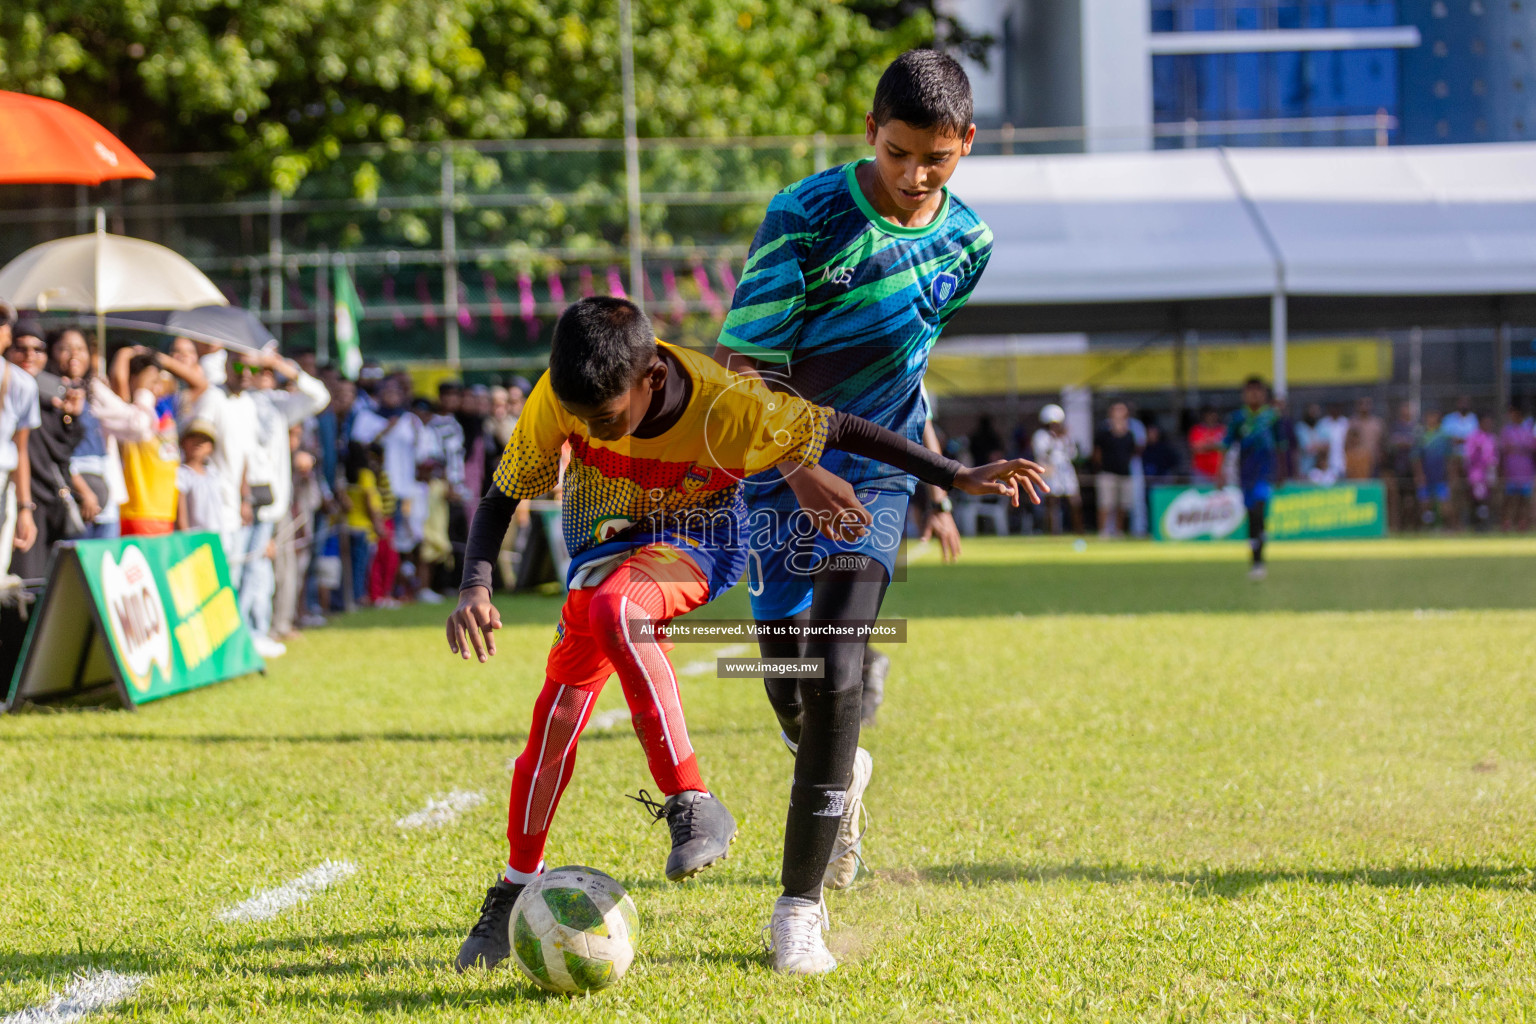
573, 930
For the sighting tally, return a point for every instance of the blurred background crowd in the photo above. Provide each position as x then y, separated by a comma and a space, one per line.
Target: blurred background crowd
1463, 468
328, 494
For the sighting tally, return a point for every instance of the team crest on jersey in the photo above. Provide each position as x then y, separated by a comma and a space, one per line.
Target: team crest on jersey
944, 286
697, 476
559, 634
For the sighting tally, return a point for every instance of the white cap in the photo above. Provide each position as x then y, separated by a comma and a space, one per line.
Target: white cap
1052, 414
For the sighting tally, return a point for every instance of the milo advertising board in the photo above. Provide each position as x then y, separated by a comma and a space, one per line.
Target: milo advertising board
1356, 508
132, 620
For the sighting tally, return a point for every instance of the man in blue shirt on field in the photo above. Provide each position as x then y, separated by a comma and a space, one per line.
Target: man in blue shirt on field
1255, 430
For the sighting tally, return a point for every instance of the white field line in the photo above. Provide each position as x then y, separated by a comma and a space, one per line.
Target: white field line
268, 903
442, 811
704, 668
88, 993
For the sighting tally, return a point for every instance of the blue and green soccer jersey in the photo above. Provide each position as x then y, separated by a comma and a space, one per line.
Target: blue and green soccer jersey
842, 306
1257, 436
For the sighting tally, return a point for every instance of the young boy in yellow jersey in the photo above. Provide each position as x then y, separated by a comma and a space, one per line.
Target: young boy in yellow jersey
147, 440
661, 439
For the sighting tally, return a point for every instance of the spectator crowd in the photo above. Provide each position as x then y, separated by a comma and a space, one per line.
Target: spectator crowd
1466, 469
326, 494
329, 494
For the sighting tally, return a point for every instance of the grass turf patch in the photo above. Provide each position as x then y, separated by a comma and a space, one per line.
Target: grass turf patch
1111, 784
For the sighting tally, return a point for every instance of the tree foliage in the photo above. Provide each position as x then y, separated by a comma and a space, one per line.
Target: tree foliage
283, 85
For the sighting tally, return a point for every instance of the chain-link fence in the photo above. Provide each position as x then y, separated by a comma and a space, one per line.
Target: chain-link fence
465, 252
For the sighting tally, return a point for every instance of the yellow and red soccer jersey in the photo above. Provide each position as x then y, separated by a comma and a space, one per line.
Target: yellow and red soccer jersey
149, 471
683, 487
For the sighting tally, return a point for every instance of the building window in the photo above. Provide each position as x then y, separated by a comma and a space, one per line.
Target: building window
1269, 86
1239, 15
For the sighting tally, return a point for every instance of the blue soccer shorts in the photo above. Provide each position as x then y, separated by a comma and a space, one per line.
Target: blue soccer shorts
786, 549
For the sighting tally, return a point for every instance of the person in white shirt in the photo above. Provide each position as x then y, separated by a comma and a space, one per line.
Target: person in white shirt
254, 473
1054, 449
1460, 424
277, 412
1332, 429
19, 416
408, 444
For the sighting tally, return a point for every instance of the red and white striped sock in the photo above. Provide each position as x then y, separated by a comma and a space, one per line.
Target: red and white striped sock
619, 614
542, 770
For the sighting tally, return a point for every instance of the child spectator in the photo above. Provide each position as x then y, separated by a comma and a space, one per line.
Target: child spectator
1517, 466
1206, 447
1432, 470
201, 508
130, 411
1480, 454
1402, 442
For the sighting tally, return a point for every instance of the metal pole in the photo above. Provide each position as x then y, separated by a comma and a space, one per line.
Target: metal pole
322, 306
1180, 380
1501, 372
450, 262
275, 260
819, 144
101, 313
1192, 342
1278, 339
631, 154
1416, 370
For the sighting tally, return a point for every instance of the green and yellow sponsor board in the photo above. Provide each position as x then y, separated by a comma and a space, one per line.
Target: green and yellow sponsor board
132, 620
1296, 511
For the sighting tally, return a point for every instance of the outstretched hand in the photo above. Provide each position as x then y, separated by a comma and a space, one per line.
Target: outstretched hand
472, 625
839, 514
1005, 477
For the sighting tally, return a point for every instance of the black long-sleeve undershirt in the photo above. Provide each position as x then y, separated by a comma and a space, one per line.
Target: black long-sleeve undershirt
845, 433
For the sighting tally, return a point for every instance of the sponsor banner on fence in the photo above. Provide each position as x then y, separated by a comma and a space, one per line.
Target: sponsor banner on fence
1295, 512
138, 617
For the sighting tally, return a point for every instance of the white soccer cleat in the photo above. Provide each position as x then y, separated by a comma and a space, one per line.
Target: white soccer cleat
795, 943
268, 648
847, 852
1258, 572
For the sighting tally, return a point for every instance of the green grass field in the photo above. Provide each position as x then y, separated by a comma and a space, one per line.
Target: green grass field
1117, 784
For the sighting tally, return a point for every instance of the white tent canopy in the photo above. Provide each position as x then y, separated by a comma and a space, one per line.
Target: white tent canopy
1404, 224
1113, 227
1419, 220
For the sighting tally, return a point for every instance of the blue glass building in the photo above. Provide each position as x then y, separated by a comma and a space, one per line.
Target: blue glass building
1468, 80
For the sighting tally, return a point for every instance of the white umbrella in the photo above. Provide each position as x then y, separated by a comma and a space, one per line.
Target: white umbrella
101, 273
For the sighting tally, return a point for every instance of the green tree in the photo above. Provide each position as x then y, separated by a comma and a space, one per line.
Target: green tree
283, 85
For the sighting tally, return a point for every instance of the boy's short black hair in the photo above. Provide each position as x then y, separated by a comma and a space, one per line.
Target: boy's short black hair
926, 89
1255, 382
138, 364
601, 347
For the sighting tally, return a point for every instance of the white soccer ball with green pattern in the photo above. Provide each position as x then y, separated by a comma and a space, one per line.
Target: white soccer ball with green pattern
573, 930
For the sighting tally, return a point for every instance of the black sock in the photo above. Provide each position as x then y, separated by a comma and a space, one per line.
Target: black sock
1256, 531
776, 641
829, 726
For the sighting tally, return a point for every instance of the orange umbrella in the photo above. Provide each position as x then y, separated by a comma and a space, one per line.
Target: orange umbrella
45, 142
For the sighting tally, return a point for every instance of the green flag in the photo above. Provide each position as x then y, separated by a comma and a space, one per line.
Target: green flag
349, 314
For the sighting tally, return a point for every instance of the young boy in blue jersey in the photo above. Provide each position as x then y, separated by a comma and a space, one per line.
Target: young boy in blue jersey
851, 277
1255, 431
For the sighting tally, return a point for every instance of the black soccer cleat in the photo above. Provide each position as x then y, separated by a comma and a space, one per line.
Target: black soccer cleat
876, 667
489, 941
702, 830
